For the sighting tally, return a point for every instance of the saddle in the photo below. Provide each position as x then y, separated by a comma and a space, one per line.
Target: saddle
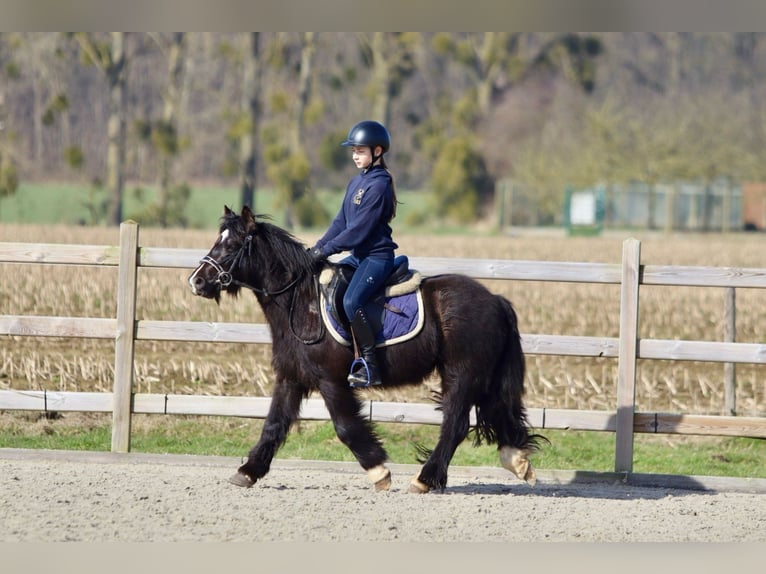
398, 301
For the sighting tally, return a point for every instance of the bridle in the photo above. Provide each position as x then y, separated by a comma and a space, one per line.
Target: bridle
225, 278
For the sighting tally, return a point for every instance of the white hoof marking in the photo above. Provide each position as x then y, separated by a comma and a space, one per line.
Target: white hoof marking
515, 460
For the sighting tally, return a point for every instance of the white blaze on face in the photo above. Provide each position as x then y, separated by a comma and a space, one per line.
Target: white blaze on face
221, 238
192, 277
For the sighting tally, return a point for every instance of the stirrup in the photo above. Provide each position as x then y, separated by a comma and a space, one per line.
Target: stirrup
355, 379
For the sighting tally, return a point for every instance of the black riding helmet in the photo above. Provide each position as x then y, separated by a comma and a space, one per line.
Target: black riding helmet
369, 133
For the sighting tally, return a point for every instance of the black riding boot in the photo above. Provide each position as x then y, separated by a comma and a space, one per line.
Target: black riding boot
364, 371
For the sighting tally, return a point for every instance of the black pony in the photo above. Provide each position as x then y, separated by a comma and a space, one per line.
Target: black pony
470, 337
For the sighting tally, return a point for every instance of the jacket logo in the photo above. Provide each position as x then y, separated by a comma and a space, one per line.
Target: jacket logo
358, 197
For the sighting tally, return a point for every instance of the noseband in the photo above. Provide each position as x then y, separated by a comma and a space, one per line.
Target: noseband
224, 277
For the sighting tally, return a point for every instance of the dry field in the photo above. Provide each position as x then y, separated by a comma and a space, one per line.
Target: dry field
552, 308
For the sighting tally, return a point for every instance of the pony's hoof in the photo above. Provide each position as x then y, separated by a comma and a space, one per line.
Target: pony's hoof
417, 487
241, 479
380, 477
530, 477
515, 460
384, 484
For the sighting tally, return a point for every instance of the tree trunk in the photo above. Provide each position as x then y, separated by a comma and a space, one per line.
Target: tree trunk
673, 40
176, 53
381, 105
116, 129
37, 120
308, 49
251, 105
486, 72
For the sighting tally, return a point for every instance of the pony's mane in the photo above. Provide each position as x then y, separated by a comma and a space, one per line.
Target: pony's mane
281, 245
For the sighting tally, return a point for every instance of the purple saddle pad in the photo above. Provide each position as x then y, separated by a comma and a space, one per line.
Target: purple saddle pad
402, 320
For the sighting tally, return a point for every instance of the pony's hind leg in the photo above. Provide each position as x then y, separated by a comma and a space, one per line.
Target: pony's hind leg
501, 413
504, 423
356, 432
454, 428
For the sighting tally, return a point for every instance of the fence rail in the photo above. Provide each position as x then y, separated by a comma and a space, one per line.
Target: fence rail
624, 421
379, 411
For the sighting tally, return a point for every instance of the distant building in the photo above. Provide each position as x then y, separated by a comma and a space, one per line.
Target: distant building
676, 207
682, 206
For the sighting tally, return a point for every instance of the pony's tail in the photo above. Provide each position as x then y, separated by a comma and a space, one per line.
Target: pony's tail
501, 417
516, 366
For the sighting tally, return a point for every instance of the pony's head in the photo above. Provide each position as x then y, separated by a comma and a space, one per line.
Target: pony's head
219, 270
249, 252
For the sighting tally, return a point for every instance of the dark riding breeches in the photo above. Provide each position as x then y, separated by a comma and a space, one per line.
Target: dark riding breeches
370, 275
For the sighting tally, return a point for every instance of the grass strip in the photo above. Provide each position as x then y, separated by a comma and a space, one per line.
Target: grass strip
310, 440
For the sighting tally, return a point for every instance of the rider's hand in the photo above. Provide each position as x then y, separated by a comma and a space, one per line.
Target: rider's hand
317, 257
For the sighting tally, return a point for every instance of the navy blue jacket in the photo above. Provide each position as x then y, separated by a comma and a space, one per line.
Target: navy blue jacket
361, 225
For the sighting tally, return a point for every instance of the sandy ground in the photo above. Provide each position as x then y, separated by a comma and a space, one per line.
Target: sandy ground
50, 496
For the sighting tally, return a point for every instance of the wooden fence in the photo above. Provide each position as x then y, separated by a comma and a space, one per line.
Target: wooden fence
624, 421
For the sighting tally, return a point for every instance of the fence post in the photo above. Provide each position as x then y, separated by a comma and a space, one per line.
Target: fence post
626, 376
125, 340
730, 336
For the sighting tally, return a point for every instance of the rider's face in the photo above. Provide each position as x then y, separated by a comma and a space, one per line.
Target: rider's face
362, 156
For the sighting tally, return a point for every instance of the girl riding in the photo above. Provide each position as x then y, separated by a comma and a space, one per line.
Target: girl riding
362, 226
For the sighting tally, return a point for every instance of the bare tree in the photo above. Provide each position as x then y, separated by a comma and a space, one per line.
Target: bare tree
289, 167
112, 59
391, 57
305, 75
252, 107
492, 60
167, 139
8, 173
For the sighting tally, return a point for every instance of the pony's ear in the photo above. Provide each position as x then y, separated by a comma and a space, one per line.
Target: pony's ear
227, 211
248, 218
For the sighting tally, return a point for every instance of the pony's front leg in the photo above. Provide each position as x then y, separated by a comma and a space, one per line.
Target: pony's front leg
284, 410
356, 432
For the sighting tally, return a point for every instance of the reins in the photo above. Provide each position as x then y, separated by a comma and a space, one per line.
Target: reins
320, 336
225, 279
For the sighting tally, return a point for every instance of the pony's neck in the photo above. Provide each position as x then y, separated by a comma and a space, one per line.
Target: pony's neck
283, 278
